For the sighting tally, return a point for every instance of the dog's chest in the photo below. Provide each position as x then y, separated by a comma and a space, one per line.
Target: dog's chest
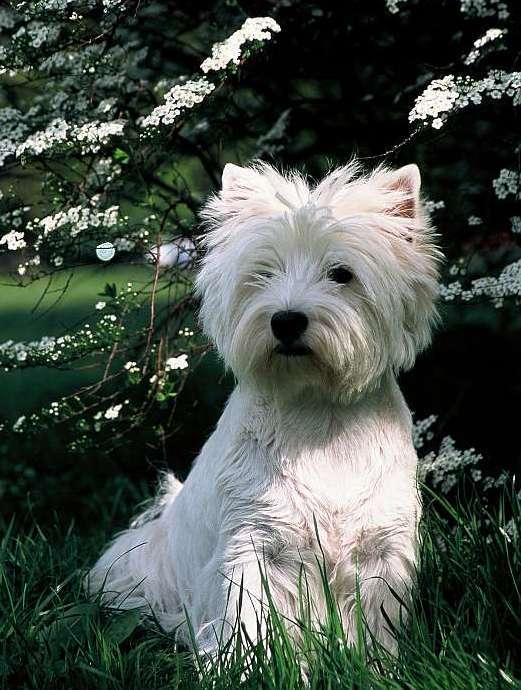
324, 506
325, 495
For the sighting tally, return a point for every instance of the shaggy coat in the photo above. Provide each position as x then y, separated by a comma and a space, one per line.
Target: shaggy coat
312, 464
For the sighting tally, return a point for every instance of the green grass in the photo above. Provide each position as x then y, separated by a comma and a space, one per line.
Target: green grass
464, 631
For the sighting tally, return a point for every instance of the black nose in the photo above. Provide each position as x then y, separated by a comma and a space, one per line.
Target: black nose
288, 326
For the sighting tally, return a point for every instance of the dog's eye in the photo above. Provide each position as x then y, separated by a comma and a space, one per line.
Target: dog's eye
264, 274
340, 274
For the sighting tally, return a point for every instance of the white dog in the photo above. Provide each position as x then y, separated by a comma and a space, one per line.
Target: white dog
316, 296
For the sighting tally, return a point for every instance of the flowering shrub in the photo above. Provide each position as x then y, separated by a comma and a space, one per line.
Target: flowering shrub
98, 129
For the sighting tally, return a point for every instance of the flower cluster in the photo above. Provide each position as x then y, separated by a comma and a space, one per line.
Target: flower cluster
439, 98
75, 219
36, 34
165, 386
183, 96
54, 351
178, 100
422, 431
14, 240
507, 184
472, 8
229, 51
516, 224
452, 93
85, 138
57, 231
131, 367
14, 126
7, 19
45, 7
173, 363
444, 467
433, 206
111, 412
490, 36
113, 5
485, 8
496, 289
394, 5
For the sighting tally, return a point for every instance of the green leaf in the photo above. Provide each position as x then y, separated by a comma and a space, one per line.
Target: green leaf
123, 625
110, 290
70, 628
120, 156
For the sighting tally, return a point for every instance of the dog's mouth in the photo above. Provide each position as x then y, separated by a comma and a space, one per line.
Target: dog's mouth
295, 350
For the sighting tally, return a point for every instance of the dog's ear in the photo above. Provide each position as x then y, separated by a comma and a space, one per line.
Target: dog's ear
240, 183
251, 192
233, 177
406, 182
237, 198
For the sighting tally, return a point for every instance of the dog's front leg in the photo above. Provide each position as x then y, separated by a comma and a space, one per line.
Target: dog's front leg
237, 597
384, 573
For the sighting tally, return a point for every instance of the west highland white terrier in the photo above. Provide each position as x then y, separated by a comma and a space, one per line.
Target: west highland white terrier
316, 296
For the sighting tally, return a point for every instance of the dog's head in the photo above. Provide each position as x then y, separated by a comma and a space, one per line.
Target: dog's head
330, 285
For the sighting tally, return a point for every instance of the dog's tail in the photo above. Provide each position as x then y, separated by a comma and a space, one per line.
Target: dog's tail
135, 571
169, 487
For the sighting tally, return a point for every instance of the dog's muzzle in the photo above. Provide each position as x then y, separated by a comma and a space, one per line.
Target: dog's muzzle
288, 327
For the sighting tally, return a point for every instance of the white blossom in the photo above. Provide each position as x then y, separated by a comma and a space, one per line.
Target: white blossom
508, 183
18, 425
113, 5
421, 431
89, 136
7, 18
432, 206
55, 133
92, 135
52, 350
452, 93
394, 5
473, 8
113, 411
14, 127
178, 100
62, 226
507, 284
36, 34
131, 367
124, 244
180, 362
100, 305
75, 219
444, 467
14, 240
485, 8
253, 29
490, 36
516, 224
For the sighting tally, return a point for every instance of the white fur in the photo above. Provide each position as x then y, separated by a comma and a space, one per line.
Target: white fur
319, 444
